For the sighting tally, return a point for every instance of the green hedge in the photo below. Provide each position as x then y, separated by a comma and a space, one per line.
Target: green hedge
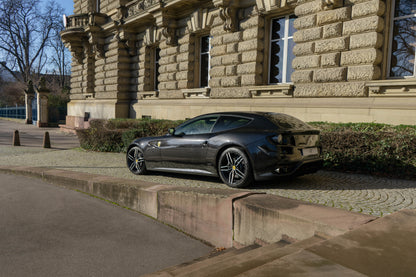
354, 147
369, 148
115, 135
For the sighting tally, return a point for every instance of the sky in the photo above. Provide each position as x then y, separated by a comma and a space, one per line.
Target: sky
68, 6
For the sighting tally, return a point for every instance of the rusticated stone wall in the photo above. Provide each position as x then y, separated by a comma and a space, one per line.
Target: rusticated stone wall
237, 56
337, 48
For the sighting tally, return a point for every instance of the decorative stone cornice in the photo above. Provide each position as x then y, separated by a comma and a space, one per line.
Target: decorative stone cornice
142, 6
153, 36
267, 6
167, 24
228, 11
97, 43
201, 19
332, 4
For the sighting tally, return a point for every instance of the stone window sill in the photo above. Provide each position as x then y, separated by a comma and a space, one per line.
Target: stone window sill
272, 91
146, 95
196, 93
392, 87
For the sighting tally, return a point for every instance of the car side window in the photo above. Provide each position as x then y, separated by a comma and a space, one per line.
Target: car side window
196, 127
225, 123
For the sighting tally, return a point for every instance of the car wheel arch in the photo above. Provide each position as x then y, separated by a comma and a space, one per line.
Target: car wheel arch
227, 146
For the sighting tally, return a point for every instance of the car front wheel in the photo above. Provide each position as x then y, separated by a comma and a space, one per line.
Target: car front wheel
234, 168
135, 161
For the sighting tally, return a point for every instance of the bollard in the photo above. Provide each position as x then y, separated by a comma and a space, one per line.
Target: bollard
16, 138
46, 141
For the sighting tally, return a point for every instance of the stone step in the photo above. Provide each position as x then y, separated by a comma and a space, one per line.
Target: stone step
238, 262
191, 266
301, 263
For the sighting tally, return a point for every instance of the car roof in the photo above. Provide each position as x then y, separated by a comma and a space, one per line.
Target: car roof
238, 113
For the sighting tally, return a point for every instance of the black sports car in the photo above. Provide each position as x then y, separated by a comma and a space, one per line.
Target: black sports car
239, 147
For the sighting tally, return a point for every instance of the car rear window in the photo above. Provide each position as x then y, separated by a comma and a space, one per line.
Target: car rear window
285, 121
225, 123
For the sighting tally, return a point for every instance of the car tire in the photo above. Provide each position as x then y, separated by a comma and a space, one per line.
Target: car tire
135, 161
234, 168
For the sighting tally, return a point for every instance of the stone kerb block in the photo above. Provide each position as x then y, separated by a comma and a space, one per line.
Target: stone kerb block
270, 218
199, 212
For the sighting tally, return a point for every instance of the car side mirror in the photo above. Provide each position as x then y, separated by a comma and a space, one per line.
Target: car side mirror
171, 131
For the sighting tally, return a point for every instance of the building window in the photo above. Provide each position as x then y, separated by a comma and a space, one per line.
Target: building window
403, 39
156, 68
281, 46
204, 61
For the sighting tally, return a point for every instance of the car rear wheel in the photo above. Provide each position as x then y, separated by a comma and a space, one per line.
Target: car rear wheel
135, 161
234, 168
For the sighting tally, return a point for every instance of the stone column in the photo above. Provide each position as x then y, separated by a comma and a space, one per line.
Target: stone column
42, 104
29, 95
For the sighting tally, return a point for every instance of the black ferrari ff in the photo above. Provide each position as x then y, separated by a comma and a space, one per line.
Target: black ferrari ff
239, 147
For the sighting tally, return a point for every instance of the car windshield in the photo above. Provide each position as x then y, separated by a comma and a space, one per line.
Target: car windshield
285, 121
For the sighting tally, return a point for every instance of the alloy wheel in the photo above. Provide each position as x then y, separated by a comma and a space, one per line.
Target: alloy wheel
234, 168
135, 161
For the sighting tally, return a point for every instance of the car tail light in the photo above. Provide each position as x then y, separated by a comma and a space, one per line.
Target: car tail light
282, 140
277, 139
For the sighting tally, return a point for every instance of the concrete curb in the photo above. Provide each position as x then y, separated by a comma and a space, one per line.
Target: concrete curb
221, 217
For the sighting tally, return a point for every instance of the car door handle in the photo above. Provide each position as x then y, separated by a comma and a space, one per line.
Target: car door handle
205, 143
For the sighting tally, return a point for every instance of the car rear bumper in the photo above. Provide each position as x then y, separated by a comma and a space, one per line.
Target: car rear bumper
293, 169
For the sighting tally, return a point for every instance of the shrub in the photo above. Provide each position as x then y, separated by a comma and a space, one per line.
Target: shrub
353, 147
115, 135
369, 148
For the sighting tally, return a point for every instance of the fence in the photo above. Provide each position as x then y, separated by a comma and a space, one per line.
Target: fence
13, 112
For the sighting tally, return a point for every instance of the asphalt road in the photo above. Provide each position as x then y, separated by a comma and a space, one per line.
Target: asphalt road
51, 231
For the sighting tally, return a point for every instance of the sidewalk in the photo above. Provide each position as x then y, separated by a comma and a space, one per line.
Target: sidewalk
207, 209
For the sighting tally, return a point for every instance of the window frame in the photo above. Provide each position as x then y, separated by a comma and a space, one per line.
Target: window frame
200, 55
179, 132
286, 38
390, 43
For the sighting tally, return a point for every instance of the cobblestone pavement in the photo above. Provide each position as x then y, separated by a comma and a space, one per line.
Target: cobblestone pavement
354, 192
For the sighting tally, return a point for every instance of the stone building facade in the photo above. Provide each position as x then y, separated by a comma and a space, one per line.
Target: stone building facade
319, 60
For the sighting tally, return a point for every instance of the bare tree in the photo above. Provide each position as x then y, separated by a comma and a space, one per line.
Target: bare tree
25, 31
60, 58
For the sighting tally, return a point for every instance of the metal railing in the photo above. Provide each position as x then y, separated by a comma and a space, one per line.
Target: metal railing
13, 112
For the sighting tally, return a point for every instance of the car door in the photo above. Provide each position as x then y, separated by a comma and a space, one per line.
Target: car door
186, 149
